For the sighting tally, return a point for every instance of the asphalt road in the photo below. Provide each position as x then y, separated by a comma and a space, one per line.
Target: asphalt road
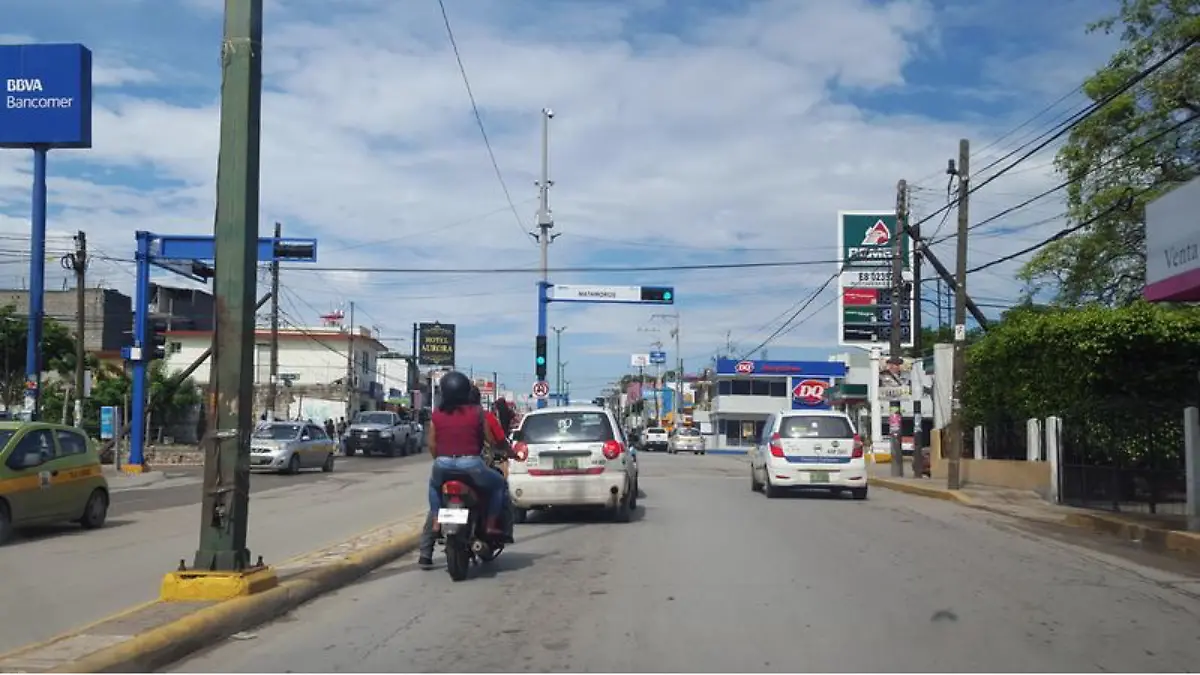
711, 577
181, 486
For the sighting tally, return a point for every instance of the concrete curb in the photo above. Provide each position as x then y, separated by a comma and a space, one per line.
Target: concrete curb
1185, 544
172, 642
922, 490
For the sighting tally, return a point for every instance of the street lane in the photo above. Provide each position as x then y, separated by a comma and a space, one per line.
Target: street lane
711, 577
65, 577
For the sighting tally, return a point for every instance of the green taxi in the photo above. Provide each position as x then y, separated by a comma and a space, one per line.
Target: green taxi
49, 473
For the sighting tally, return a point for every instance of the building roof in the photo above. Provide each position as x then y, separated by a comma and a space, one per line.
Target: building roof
291, 334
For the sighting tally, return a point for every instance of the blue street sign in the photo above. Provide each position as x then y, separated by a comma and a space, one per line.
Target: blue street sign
47, 96
108, 422
658, 357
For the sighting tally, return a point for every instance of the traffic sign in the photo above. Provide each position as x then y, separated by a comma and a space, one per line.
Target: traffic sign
644, 295
658, 357
541, 390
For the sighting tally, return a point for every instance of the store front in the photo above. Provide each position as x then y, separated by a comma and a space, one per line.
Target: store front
750, 391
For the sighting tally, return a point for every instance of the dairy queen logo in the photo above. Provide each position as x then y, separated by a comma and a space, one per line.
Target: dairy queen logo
811, 392
744, 367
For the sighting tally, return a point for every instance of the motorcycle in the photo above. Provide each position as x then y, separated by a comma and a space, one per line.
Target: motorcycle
463, 528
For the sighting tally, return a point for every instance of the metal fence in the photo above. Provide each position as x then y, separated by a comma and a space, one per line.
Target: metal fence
1126, 458
1003, 438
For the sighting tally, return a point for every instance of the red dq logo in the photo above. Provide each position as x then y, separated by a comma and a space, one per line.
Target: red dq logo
744, 367
811, 392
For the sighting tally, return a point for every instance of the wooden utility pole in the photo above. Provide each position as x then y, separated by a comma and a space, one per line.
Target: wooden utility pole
350, 388
273, 384
78, 263
226, 493
896, 347
918, 339
953, 480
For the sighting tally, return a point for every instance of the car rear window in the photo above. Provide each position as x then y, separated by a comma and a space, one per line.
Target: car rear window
656, 430
689, 432
572, 427
815, 426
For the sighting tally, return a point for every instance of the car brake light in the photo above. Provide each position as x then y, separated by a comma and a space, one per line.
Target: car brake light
776, 445
454, 488
521, 450
858, 447
613, 450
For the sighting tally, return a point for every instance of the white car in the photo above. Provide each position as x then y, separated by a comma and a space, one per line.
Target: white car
687, 439
572, 456
655, 438
814, 449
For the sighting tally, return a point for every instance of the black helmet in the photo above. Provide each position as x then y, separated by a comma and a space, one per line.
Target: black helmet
476, 395
456, 390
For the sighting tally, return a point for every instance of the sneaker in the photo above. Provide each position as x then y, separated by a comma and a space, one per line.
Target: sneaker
425, 562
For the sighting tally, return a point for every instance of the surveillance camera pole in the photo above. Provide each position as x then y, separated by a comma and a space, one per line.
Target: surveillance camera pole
545, 222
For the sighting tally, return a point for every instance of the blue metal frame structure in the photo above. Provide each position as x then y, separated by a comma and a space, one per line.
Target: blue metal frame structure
544, 301
186, 255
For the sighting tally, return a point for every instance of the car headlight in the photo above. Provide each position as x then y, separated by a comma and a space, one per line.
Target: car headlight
385, 434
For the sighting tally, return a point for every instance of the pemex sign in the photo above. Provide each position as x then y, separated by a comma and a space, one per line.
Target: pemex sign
865, 240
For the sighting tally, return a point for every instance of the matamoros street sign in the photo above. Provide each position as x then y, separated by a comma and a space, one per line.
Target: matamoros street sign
47, 96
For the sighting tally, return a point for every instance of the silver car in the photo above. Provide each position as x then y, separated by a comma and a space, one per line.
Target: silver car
288, 447
686, 439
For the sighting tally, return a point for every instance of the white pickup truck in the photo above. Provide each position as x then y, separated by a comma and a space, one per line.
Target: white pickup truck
655, 438
380, 432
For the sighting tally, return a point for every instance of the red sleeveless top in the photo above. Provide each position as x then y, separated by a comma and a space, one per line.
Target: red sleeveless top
458, 434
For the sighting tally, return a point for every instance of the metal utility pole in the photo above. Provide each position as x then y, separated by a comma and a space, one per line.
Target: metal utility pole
350, 369
78, 263
895, 408
226, 493
414, 373
558, 374
273, 385
918, 382
545, 222
953, 481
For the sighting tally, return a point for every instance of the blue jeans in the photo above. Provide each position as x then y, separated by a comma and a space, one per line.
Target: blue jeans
482, 476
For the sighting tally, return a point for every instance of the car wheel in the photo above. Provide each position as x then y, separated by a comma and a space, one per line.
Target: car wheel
5, 522
327, 467
755, 486
349, 451
520, 516
633, 497
622, 512
293, 466
859, 493
96, 510
771, 491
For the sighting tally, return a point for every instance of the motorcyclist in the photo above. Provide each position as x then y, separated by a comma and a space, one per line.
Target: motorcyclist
456, 440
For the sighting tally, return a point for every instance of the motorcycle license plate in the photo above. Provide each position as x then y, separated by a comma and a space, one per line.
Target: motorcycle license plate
452, 516
818, 476
567, 463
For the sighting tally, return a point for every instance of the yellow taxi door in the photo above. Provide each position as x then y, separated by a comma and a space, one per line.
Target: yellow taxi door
28, 487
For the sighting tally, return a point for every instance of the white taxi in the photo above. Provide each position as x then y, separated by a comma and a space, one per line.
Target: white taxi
810, 449
572, 456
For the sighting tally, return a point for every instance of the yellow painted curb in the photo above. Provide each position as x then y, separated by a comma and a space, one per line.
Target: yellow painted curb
922, 490
169, 643
1174, 541
203, 586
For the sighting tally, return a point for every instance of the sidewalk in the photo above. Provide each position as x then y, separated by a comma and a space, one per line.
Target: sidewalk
69, 577
1165, 533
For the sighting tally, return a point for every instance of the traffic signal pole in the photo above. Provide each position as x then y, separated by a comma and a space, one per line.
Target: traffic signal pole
545, 222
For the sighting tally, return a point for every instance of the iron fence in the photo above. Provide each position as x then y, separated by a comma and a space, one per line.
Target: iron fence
1003, 438
1126, 458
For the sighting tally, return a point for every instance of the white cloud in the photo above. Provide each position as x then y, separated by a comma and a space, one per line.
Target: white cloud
732, 129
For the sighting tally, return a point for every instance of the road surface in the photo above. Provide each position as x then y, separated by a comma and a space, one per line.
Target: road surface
64, 577
711, 577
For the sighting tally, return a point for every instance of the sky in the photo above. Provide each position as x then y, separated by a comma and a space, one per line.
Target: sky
684, 133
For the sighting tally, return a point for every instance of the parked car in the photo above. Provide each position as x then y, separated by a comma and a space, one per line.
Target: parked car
655, 438
49, 473
572, 456
288, 447
815, 449
380, 432
686, 439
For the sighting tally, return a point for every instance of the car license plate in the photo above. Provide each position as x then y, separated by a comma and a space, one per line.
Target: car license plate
452, 516
566, 463
818, 476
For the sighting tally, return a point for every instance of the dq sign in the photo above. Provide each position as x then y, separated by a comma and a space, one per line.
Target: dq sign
809, 393
744, 367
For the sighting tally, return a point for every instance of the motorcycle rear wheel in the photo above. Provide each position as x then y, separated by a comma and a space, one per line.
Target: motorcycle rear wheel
458, 561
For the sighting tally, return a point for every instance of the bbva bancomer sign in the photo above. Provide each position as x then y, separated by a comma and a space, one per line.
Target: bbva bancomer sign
27, 93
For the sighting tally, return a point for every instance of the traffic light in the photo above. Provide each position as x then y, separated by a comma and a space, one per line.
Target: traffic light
156, 339
660, 294
541, 358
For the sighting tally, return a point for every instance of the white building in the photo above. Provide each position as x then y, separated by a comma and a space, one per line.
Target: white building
312, 361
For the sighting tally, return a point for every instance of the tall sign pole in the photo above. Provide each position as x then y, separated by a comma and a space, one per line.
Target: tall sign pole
226, 492
545, 222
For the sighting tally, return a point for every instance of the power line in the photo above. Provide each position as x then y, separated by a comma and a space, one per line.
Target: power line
795, 314
462, 69
567, 270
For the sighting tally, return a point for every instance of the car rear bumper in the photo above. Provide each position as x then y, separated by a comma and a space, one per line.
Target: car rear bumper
537, 491
655, 445
269, 462
370, 443
818, 476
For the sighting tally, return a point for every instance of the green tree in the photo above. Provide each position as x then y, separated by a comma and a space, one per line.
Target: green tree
1106, 261
57, 346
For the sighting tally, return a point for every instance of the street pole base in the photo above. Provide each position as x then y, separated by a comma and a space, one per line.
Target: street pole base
196, 586
134, 468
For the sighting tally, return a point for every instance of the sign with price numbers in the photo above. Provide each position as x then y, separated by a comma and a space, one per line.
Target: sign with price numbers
865, 302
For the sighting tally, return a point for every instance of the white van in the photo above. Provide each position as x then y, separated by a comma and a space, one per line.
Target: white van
809, 449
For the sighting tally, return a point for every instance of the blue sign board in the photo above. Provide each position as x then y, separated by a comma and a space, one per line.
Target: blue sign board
802, 369
108, 422
47, 96
658, 357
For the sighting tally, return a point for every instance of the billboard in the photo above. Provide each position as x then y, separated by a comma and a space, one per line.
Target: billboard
47, 98
435, 344
895, 379
1173, 246
865, 301
810, 393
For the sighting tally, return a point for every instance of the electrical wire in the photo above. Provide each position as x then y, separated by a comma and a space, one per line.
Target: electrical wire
809, 301
567, 270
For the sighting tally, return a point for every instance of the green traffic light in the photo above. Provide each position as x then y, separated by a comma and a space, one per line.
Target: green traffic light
667, 295
541, 360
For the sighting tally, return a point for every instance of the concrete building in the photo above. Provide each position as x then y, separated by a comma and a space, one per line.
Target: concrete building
182, 308
749, 391
108, 316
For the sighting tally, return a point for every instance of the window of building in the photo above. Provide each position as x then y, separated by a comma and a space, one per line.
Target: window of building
741, 388
760, 388
174, 347
724, 388
779, 388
